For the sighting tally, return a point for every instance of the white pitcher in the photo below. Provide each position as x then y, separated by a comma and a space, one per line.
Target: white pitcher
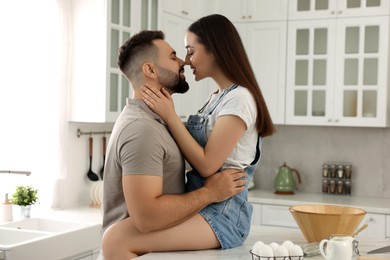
338, 247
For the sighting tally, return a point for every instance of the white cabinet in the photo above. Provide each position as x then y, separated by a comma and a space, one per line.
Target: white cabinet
272, 215
256, 214
189, 103
262, 26
337, 71
387, 225
318, 9
89, 255
280, 216
265, 43
376, 226
251, 10
186, 8
99, 27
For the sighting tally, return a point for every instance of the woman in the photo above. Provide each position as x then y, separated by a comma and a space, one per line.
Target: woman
225, 131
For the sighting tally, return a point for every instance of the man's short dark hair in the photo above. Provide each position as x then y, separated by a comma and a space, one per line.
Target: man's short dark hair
136, 50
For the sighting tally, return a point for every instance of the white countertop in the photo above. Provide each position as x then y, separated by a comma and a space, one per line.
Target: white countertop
82, 213
262, 233
369, 204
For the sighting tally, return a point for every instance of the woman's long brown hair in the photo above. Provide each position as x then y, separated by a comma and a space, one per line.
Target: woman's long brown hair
221, 38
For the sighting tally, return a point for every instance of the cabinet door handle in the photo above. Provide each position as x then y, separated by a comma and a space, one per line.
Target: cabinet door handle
332, 13
243, 17
371, 220
249, 16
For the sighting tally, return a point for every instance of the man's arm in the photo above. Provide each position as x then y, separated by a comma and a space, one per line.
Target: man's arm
151, 210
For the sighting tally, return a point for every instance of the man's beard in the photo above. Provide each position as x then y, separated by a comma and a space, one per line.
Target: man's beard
173, 82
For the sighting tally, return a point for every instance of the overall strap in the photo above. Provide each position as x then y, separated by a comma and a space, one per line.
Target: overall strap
211, 109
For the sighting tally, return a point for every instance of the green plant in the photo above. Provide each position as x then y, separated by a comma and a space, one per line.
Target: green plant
25, 195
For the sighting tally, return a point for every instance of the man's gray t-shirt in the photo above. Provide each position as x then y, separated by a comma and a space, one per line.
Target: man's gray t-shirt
139, 144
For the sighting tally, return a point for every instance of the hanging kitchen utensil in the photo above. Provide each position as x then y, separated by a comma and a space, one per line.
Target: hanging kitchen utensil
91, 175
104, 156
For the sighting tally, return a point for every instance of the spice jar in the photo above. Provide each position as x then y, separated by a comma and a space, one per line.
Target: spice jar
340, 171
347, 188
332, 186
325, 170
332, 171
340, 187
325, 185
348, 171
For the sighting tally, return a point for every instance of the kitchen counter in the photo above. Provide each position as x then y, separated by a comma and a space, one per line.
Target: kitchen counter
265, 234
373, 205
83, 213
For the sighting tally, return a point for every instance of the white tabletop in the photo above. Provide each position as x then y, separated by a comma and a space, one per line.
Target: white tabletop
262, 233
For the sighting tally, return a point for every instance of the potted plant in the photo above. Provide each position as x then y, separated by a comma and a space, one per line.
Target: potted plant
25, 196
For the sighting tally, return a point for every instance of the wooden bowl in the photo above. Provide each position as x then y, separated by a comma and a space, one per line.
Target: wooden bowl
318, 222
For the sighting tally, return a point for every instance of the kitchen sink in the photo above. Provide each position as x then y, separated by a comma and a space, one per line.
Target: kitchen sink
40, 238
9, 236
45, 225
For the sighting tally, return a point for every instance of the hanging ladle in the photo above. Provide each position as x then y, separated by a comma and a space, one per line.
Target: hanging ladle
91, 175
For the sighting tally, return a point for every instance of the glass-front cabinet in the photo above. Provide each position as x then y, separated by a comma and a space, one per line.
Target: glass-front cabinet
318, 9
337, 67
98, 88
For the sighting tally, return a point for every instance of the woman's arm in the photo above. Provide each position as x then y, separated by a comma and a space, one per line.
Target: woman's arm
226, 133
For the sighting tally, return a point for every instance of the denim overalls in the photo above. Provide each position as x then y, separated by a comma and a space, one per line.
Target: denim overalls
230, 219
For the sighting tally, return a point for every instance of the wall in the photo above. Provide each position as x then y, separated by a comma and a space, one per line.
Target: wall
302, 147
74, 190
306, 148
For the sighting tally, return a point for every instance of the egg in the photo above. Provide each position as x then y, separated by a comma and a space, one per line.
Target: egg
281, 251
287, 244
274, 245
265, 251
256, 246
295, 252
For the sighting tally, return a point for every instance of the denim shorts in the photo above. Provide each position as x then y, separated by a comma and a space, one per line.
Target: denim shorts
230, 220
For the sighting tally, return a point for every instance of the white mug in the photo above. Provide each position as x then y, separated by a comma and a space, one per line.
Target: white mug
337, 248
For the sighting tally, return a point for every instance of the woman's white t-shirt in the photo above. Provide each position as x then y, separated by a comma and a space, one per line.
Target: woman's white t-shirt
239, 102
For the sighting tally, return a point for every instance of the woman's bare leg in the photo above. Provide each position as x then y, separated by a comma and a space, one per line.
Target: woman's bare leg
123, 240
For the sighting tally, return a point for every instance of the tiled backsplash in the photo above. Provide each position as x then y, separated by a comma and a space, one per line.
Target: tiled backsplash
306, 148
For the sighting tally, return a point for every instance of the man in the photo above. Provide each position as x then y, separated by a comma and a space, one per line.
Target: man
144, 172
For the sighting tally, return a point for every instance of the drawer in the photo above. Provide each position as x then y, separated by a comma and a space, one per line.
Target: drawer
256, 215
376, 226
279, 216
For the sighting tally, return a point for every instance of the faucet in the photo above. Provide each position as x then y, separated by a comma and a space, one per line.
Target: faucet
27, 173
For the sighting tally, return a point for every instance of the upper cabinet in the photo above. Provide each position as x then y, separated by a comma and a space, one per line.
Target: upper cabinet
337, 68
251, 10
319, 9
188, 103
265, 44
262, 25
99, 27
185, 8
